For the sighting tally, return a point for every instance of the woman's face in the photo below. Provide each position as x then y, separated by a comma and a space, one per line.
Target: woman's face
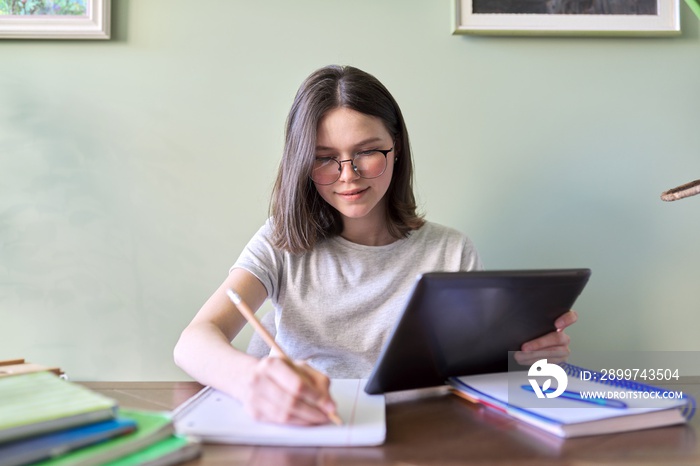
341, 134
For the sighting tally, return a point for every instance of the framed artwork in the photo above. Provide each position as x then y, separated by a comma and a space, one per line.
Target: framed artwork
54, 19
567, 17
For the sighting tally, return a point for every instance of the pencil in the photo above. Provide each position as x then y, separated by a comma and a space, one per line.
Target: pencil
265, 335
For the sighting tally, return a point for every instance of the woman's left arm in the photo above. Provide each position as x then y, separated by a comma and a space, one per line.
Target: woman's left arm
553, 346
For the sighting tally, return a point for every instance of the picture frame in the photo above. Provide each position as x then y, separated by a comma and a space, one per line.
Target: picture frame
93, 24
567, 17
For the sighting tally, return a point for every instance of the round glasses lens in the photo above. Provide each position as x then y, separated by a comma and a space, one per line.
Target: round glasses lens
370, 164
325, 171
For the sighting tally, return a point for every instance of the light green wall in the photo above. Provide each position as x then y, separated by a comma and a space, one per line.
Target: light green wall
133, 171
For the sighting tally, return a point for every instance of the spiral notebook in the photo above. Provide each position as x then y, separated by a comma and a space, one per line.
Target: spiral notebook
587, 407
214, 417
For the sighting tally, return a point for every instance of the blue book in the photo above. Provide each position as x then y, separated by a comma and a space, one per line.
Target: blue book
57, 443
153, 426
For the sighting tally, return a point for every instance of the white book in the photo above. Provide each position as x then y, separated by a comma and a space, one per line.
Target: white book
214, 417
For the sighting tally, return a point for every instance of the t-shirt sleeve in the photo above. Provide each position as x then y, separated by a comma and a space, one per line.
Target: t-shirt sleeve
470, 257
263, 260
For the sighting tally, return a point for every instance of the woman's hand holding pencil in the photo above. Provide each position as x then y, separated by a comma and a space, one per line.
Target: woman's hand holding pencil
281, 390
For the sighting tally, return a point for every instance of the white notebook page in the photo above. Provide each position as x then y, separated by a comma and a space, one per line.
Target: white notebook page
215, 417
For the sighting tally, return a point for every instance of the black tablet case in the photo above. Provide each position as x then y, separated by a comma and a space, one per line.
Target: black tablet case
464, 323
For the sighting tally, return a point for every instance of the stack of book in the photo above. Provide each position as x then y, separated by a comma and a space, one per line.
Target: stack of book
46, 420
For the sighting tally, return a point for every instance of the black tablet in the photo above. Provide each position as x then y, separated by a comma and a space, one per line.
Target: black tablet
463, 323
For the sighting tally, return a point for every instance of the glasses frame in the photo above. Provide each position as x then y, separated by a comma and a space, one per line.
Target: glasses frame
384, 152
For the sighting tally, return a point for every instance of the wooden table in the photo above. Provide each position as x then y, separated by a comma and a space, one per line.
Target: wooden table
432, 427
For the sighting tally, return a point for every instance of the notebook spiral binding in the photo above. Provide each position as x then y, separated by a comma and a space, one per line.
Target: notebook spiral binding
575, 371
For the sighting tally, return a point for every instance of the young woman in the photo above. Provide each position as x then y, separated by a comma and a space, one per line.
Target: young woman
337, 257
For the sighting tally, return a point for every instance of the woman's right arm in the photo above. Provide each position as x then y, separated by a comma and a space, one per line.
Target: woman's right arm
269, 388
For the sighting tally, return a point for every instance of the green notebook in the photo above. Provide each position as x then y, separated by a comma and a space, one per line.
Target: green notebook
174, 449
40, 402
152, 427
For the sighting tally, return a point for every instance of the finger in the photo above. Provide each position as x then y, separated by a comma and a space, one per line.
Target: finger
292, 394
279, 409
549, 340
322, 384
289, 376
553, 355
566, 319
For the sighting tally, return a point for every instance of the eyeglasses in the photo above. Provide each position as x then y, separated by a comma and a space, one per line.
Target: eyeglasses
367, 164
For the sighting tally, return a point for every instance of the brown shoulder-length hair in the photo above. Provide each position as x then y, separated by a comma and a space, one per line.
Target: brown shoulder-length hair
300, 217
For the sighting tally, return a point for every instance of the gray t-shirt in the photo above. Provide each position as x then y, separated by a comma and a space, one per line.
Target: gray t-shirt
335, 306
